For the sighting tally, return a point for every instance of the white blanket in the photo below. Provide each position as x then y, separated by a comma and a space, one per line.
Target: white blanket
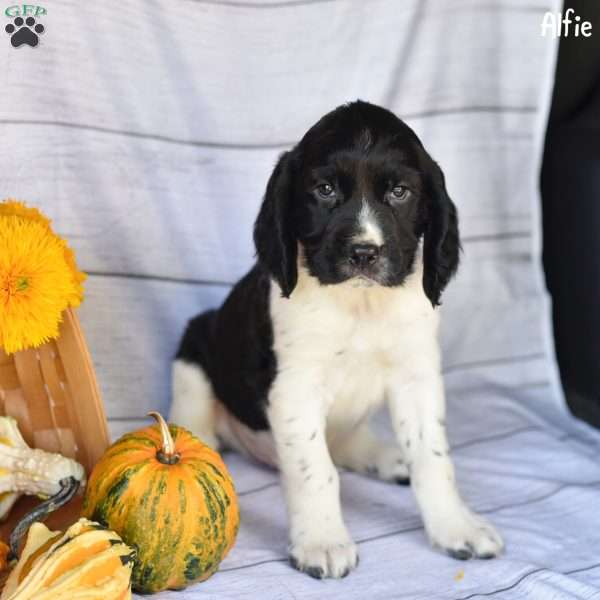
148, 129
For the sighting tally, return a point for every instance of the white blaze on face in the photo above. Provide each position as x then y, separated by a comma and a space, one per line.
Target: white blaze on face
370, 232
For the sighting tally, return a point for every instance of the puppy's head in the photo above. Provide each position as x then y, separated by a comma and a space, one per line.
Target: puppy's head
358, 193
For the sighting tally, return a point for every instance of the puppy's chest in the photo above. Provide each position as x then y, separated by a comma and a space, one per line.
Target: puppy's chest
356, 378
333, 336
352, 353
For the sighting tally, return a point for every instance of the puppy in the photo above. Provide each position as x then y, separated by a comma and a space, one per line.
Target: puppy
356, 240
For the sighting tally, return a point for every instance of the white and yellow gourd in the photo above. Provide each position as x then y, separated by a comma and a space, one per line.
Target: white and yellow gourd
25, 470
86, 562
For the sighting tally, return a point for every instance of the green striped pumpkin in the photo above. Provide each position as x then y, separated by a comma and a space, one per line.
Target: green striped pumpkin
170, 497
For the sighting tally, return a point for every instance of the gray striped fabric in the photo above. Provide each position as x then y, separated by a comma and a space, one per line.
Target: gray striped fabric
148, 130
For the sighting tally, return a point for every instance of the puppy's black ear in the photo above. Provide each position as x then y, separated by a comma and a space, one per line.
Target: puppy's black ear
274, 235
441, 245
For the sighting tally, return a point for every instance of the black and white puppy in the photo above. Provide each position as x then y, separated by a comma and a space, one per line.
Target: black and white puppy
356, 240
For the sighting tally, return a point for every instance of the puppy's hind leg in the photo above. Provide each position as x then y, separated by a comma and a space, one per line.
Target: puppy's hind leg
193, 401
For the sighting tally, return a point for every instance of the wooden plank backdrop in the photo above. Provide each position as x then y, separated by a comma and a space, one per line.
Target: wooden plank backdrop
148, 129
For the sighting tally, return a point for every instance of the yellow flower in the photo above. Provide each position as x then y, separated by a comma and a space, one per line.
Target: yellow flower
38, 278
14, 208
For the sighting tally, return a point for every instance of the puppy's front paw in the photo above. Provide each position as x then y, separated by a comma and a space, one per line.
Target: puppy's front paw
465, 535
329, 558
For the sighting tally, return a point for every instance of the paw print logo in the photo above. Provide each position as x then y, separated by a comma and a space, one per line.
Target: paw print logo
24, 32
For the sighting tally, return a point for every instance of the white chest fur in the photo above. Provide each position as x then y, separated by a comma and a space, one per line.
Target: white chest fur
352, 339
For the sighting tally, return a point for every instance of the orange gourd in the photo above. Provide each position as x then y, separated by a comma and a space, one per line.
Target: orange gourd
171, 498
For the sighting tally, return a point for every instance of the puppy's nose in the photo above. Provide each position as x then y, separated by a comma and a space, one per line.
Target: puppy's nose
362, 255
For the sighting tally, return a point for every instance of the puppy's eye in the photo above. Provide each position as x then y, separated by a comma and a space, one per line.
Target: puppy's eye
400, 192
325, 191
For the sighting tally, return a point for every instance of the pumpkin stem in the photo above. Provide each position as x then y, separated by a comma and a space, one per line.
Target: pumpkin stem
167, 454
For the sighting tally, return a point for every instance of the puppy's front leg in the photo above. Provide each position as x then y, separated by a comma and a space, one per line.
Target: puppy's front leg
319, 541
417, 407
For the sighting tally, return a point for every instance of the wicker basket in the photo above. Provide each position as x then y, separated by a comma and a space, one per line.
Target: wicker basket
52, 393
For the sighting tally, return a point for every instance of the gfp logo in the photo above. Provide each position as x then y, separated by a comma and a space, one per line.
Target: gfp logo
24, 29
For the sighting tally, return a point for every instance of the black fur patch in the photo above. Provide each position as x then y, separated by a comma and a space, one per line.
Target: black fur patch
234, 347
